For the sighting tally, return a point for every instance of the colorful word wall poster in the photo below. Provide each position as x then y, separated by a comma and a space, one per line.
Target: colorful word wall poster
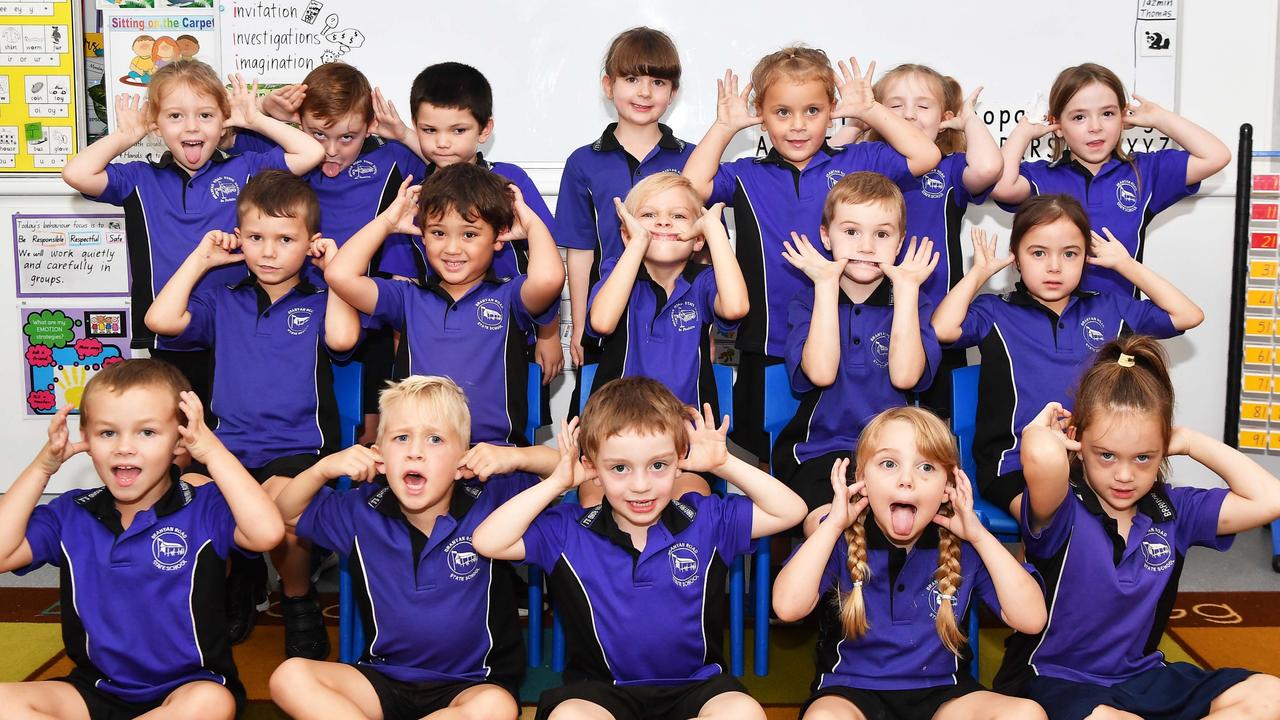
39, 85
70, 255
62, 347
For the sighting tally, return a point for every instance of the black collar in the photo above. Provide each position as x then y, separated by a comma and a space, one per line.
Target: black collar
101, 503
876, 539
479, 161
304, 286
676, 516
882, 296
434, 281
608, 141
1155, 504
461, 500
773, 157
690, 272
1022, 296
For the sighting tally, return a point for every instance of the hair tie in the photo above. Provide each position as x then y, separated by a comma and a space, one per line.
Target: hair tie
1125, 360
947, 598
857, 583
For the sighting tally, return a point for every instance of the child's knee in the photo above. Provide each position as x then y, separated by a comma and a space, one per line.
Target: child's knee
1023, 709
203, 699
736, 705
490, 702
291, 674
1106, 712
1258, 696
578, 710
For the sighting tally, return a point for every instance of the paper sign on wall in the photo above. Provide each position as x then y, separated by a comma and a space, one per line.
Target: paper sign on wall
39, 85
62, 347
70, 255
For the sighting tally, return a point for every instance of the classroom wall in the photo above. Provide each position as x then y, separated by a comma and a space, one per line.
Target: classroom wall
1228, 69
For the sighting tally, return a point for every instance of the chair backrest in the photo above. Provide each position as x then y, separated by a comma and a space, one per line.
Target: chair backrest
780, 403
724, 390
586, 378
964, 413
348, 388
534, 419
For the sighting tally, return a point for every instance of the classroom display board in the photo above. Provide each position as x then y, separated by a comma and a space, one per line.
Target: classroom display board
40, 96
1260, 383
544, 57
63, 347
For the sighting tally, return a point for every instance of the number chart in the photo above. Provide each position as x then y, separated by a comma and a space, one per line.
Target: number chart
1260, 383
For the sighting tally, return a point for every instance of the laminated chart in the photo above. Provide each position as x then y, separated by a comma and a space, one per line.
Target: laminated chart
1260, 387
39, 94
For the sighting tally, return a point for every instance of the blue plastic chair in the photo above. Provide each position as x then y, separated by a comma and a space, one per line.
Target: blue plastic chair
964, 414
780, 405
348, 388
737, 579
532, 422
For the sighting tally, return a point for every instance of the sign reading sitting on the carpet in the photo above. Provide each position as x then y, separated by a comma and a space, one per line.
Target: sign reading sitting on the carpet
70, 255
62, 347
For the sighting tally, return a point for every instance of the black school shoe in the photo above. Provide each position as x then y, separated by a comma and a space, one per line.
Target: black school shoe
246, 591
304, 633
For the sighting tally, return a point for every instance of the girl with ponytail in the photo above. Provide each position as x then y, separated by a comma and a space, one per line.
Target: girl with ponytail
897, 566
1108, 535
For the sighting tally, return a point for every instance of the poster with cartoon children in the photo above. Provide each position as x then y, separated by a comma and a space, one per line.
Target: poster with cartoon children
62, 347
137, 44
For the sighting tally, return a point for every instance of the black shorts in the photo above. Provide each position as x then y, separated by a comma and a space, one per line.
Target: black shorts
812, 479
403, 700
288, 466
1002, 489
748, 404
642, 702
938, 396
377, 355
1178, 691
921, 704
103, 705
197, 367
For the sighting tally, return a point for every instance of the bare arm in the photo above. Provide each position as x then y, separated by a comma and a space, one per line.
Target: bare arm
732, 115
301, 151
1108, 252
545, 282
17, 504
341, 321
796, 591
1045, 463
1013, 188
731, 288
948, 317
258, 524
484, 460
857, 101
983, 162
579, 262
87, 170
907, 358
170, 313
356, 462
345, 274
820, 357
1254, 499
1208, 153
615, 292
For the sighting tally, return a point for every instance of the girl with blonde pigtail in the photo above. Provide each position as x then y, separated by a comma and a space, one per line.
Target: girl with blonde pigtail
896, 566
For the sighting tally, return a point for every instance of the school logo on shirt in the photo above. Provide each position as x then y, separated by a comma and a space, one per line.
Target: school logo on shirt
169, 548
684, 316
833, 177
1094, 331
880, 349
933, 183
489, 313
1157, 552
1127, 195
224, 189
297, 320
684, 564
462, 559
362, 170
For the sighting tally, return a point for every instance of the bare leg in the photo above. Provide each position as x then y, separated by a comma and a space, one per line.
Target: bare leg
308, 689
481, 702
48, 700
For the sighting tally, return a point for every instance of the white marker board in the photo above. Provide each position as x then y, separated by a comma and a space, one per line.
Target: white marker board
543, 57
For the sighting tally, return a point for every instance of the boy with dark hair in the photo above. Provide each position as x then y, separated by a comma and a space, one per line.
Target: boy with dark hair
460, 212
451, 105
277, 423
411, 513
143, 558
639, 577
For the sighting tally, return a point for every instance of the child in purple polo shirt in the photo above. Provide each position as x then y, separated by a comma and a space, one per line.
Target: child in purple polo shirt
1109, 535
1037, 340
272, 335
170, 203
783, 192
464, 321
641, 79
142, 556
906, 524
441, 625
640, 577
1122, 190
856, 344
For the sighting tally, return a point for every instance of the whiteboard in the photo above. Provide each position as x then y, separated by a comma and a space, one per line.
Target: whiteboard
544, 57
